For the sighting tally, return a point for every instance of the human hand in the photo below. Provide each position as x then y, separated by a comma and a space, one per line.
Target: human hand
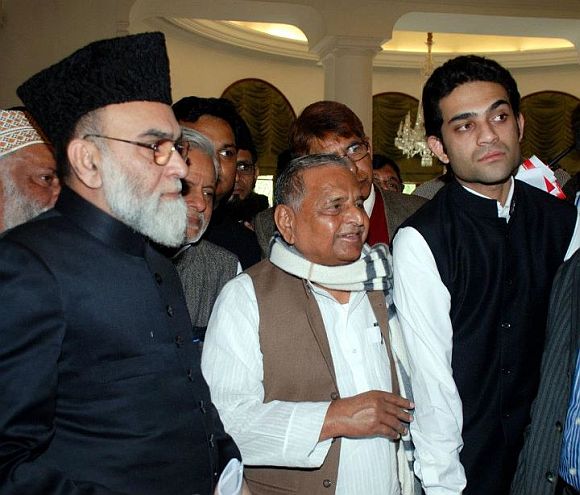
368, 414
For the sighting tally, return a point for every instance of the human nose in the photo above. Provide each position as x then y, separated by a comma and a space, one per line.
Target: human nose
176, 166
487, 133
355, 215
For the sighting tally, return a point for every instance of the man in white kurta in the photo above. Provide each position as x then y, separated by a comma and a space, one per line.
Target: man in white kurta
326, 225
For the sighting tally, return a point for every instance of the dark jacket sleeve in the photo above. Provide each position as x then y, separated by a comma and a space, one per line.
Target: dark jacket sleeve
32, 329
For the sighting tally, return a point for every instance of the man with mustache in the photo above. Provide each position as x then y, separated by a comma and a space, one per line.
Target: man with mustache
473, 272
218, 120
28, 181
102, 390
299, 353
203, 267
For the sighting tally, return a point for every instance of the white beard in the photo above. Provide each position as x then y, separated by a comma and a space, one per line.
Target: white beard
162, 220
18, 208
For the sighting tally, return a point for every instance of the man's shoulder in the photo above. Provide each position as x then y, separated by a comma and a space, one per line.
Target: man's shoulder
213, 251
48, 230
542, 197
404, 201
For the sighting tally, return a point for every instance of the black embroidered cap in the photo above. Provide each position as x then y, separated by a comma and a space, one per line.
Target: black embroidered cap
118, 70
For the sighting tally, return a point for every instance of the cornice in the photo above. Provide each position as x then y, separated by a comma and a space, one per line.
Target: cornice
229, 34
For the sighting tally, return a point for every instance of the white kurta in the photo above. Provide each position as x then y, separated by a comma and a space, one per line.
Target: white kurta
286, 433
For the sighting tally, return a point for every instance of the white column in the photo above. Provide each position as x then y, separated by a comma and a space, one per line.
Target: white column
348, 73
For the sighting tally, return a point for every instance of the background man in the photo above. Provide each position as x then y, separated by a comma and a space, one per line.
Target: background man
473, 270
217, 119
203, 267
102, 391
296, 359
331, 127
386, 174
244, 203
28, 181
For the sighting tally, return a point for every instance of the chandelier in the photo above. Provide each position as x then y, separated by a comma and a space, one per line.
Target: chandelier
411, 140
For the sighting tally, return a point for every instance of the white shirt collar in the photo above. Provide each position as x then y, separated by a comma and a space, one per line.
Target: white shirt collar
369, 203
502, 211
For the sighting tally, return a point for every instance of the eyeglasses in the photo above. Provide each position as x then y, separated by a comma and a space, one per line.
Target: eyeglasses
162, 149
245, 168
357, 151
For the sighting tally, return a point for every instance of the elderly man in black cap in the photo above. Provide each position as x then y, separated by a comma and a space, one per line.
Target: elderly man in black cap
102, 391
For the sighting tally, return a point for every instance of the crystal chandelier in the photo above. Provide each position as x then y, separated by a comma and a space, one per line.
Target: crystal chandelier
411, 140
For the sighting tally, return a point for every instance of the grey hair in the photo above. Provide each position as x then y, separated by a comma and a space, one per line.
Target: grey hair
290, 183
198, 141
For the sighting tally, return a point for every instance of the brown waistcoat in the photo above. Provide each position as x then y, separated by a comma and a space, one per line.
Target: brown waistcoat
297, 367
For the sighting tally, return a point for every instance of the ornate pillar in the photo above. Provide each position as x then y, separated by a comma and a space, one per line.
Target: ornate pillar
348, 72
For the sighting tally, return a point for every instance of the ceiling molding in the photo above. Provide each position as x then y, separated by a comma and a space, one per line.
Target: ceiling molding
230, 34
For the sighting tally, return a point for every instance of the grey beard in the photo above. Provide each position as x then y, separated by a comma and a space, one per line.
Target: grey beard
18, 208
201, 231
163, 221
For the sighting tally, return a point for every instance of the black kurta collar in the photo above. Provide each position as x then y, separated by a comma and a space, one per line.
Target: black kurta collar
99, 224
474, 204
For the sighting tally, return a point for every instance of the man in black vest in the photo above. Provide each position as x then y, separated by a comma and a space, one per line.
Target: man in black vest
101, 387
473, 271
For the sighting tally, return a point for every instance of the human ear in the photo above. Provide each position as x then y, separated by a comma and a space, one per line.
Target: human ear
83, 157
436, 146
285, 218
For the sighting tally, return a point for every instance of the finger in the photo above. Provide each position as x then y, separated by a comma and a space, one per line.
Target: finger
397, 400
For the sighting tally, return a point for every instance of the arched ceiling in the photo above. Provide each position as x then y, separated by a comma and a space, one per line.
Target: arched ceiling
547, 35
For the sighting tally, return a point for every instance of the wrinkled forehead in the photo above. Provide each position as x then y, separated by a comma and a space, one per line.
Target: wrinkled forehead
332, 143
140, 118
31, 157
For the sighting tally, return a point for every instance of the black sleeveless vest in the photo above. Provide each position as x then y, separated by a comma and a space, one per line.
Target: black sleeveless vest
499, 276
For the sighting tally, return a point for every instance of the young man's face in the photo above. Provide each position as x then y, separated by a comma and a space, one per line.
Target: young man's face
480, 133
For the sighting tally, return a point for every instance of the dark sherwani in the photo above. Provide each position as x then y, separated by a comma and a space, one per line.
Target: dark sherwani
499, 276
101, 390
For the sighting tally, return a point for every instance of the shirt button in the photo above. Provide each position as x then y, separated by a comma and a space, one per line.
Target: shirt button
158, 278
577, 421
558, 426
179, 341
550, 476
506, 325
506, 371
334, 395
506, 415
169, 309
327, 483
572, 471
